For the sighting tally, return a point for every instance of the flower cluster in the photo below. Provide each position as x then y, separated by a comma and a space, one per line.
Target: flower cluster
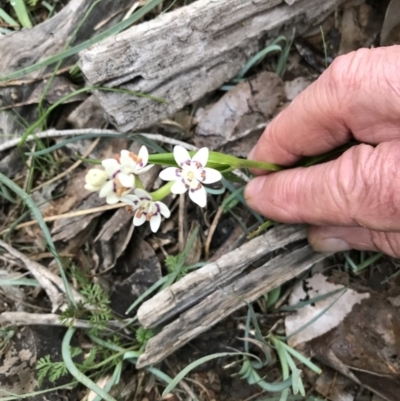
119, 174
119, 182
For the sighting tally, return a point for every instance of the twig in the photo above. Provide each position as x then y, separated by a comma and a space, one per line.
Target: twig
181, 223
182, 383
211, 232
36, 270
71, 168
46, 319
53, 133
68, 215
48, 280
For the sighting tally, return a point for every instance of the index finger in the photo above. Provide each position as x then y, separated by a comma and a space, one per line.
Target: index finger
358, 97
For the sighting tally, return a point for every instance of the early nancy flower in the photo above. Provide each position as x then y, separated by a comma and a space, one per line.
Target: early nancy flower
98, 181
145, 209
191, 174
121, 172
95, 179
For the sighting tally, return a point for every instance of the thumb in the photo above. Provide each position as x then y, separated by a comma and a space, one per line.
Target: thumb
335, 239
360, 188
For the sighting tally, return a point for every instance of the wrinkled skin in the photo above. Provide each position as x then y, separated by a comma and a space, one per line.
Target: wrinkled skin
353, 201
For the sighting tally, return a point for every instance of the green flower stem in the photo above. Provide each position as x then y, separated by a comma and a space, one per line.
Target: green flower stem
138, 183
75, 372
219, 161
162, 192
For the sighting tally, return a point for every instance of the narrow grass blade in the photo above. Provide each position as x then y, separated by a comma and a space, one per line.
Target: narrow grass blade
149, 291
232, 189
272, 47
194, 365
8, 19
38, 215
301, 358
273, 296
43, 117
22, 13
282, 62
257, 58
315, 318
84, 45
318, 298
30, 282
113, 380
161, 375
72, 140
75, 372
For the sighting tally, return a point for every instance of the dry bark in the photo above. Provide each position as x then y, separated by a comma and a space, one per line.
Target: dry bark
29, 46
182, 55
197, 285
226, 300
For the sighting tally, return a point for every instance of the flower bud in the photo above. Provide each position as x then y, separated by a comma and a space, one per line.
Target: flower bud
95, 179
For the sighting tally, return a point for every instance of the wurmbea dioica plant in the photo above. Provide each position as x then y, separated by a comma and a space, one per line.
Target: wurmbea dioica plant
119, 180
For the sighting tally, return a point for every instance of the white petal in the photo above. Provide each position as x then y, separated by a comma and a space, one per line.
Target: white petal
144, 155
128, 164
111, 166
201, 156
179, 187
170, 174
144, 169
212, 175
132, 200
112, 198
91, 187
138, 221
155, 222
164, 210
198, 196
142, 194
181, 155
126, 180
106, 189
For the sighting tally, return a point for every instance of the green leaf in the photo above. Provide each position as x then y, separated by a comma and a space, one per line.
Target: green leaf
8, 19
22, 13
75, 372
194, 365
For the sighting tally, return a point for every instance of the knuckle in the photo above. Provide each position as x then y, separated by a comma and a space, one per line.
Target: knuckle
367, 184
388, 243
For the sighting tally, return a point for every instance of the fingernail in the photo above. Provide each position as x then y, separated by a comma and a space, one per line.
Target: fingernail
330, 245
254, 187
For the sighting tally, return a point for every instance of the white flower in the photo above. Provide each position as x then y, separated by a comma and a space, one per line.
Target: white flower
95, 179
191, 174
146, 209
121, 171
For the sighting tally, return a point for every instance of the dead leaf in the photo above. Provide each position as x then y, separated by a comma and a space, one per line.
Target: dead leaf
113, 238
360, 26
247, 105
315, 286
359, 335
390, 33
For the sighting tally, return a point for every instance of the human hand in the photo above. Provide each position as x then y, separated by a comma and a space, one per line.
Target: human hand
353, 201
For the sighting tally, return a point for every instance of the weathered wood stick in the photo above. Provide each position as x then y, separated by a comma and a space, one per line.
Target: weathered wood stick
224, 301
29, 46
198, 284
182, 55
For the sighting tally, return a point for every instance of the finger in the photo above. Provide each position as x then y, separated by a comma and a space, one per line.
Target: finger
335, 239
360, 188
357, 96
